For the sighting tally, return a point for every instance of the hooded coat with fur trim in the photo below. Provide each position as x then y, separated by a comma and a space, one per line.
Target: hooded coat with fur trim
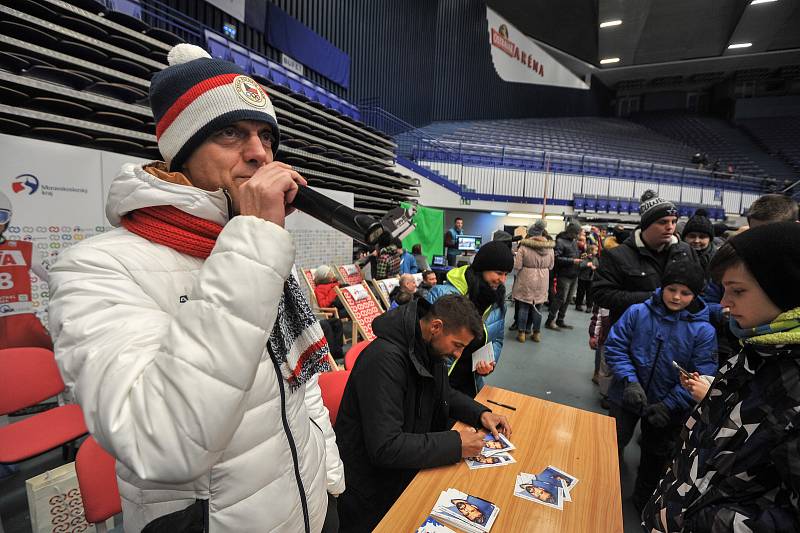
166, 355
532, 266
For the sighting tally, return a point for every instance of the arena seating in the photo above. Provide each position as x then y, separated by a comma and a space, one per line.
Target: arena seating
719, 140
624, 206
78, 73
599, 137
778, 136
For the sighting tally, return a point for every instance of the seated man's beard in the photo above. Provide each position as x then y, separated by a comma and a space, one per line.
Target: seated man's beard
434, 352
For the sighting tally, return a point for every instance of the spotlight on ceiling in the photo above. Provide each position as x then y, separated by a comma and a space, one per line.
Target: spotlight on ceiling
739, 45
756, 2
609, 60
610, 23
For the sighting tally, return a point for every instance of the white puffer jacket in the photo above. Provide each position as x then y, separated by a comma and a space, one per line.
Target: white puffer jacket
166, 355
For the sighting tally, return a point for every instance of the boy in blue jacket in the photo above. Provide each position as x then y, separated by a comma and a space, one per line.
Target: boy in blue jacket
673, 326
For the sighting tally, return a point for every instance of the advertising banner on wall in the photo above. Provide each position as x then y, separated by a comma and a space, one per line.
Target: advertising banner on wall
517, 58
235, 8
56, 197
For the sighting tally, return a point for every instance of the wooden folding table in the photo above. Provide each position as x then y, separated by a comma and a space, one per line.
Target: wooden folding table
581, 443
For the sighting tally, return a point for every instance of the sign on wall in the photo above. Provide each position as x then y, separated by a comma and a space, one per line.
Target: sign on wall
292, 64
517, 58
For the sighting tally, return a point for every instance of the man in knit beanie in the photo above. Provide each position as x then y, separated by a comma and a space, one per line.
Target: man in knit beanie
629, 273
183, 333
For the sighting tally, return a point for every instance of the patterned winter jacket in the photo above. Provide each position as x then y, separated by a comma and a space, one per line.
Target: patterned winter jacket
739, 465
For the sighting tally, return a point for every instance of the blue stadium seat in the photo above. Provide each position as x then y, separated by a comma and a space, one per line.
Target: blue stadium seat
322, 97
591, 203
240, 56
602, 204
128, 7
277, 73
309, 89
613, 205
259, 66
294, 82
625, 205
335, 102
217, 46
578, 203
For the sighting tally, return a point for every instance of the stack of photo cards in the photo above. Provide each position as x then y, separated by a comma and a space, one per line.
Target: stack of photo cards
494, 453
431, 525
551, 487
465, 512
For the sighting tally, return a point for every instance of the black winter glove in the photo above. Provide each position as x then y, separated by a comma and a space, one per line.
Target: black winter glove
658, 415
633, 397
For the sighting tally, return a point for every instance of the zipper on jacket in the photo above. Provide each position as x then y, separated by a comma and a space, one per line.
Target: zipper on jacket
229, 203
315, 423
655, 362
292, 446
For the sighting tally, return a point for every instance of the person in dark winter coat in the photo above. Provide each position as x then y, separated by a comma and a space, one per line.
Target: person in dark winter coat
738, 468
630, 273
483, 282
589, 262
699, 234
393, 418
567, 261
672, 326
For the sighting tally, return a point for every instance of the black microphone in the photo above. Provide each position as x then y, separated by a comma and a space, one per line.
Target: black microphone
363, 228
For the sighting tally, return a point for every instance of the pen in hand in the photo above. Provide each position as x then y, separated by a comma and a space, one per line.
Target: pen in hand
503, 405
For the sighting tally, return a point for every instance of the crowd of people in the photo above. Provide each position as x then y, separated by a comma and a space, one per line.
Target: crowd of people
185, 337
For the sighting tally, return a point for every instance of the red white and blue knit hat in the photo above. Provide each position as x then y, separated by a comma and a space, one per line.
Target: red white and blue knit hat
196, 96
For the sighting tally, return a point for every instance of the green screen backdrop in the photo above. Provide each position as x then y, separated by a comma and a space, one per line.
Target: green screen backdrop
429, 231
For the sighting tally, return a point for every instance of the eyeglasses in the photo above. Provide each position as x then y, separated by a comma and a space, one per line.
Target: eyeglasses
5, 216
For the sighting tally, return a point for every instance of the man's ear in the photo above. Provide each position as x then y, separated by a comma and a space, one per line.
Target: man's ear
436, 326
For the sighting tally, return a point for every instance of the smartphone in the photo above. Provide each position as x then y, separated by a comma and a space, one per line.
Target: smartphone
681, 370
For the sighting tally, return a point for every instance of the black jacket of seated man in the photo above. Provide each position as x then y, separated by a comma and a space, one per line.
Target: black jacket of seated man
393, 418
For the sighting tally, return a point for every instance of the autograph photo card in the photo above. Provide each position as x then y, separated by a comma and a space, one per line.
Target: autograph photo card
492, 446
528, 487
489, 461
558, 477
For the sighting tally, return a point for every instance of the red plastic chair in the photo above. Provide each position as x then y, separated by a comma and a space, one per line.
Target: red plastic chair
98, 482
29, 376
353, 353
332, 386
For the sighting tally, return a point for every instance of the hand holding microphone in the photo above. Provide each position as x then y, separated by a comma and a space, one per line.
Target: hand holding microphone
269, 192
275, 190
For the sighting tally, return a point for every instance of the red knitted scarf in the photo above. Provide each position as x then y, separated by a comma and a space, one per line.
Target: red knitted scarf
169, 226
296, 342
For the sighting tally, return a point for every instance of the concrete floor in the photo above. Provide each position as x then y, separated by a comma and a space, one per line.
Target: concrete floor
558, 369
